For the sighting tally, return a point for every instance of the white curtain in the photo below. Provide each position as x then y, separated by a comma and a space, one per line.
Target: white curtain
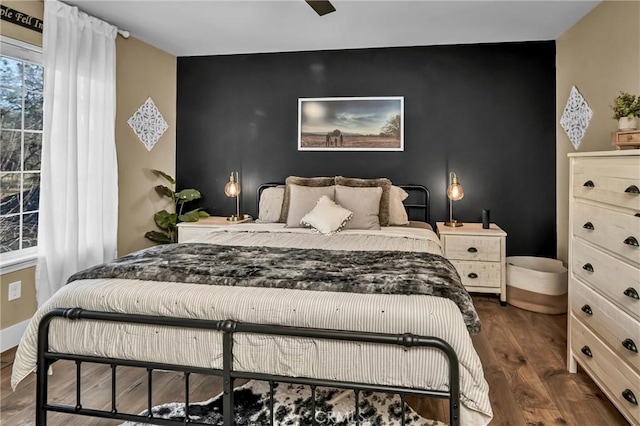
79, 183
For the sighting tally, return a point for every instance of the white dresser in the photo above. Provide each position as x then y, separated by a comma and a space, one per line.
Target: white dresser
603, 334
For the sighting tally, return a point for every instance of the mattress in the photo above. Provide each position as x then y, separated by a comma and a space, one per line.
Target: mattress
348, 361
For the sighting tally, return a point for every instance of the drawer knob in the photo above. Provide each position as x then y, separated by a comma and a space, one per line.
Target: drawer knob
588, 226
472, 275
588, 267
587, 310
632, 189
589, 184
629, 396
630, 345
632, 293
472, 250
631, 241
587, 351
629, 137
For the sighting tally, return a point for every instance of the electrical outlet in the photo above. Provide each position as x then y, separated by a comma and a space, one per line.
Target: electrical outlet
15, 290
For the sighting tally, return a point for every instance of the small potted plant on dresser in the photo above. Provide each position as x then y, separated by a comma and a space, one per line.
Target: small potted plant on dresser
626, 108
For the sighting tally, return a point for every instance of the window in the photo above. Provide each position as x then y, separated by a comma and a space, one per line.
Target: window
21, 120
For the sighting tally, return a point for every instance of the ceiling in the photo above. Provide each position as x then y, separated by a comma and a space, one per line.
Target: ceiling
217, 27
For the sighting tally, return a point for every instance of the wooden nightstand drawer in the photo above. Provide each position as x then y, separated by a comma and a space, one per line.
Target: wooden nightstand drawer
467, 247
479, 256
478, 274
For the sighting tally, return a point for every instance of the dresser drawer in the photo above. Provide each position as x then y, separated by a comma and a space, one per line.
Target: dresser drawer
470, 247
613, 230
613, 181
620, 331
611, 277
479, 274
615, 377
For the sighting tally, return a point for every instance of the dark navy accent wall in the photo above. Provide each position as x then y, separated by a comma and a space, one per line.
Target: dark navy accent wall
485, 111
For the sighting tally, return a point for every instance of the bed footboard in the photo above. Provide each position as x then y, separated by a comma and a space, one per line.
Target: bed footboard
227, 373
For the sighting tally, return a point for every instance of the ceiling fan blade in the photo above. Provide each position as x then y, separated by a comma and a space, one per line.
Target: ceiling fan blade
322, 7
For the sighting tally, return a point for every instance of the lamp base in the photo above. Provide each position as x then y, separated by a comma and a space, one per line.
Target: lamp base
454, 224
239, 218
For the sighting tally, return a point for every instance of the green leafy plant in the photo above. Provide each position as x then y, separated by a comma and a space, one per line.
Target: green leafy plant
626, 105
168, 221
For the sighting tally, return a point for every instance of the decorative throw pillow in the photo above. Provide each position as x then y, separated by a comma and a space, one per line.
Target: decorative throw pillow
270, 205
301, 181
303, 199
363, 202
383, 183
397, 212
327, 217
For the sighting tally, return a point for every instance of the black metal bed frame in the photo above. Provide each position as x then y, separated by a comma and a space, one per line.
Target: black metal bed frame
228, 374
418, 199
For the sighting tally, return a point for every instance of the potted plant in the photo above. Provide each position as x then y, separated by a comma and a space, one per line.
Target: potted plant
626, 107
166, 221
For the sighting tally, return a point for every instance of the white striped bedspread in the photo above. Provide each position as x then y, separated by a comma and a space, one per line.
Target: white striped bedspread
424, 368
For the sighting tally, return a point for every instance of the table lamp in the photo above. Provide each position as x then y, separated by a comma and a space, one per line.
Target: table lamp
232, 189
455, 192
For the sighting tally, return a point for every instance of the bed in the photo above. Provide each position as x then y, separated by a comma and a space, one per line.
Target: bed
362, 309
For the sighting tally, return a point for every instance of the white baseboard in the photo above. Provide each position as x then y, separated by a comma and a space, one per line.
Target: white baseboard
10, 336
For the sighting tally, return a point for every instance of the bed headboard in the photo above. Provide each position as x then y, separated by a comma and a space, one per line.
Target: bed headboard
416, 204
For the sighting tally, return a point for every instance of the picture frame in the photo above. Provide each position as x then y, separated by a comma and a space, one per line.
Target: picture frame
351, 124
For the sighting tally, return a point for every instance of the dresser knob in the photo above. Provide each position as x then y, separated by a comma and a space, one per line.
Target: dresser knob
629, 137
632, 293
587, 310
472, 250
630, 345
632, 189
587, 351
589, 184
588, 226
473, 275
629, 396
631, 241
587, 267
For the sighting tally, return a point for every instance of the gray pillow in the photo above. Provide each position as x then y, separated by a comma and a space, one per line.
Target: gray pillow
302, 199
383, 183
303, 181
363, 202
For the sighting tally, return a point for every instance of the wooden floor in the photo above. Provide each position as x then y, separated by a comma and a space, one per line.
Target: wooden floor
523, 354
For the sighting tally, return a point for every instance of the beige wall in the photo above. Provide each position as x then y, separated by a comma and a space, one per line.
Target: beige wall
600, 55
19, 310
142, 71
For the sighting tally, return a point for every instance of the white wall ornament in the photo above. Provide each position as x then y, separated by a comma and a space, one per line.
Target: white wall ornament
575, 118
148, 124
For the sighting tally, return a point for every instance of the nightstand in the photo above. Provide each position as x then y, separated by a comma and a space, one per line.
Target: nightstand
190, 230
479, 255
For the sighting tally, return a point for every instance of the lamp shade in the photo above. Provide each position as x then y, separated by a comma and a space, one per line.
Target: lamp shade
455, 191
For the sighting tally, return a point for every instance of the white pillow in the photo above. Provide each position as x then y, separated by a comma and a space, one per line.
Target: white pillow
363, 202
397, 212
302, 199
327, 217
270, 204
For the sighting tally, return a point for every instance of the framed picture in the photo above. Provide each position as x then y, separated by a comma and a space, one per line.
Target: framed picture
351, 124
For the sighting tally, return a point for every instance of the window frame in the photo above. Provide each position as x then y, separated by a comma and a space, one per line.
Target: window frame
26, 257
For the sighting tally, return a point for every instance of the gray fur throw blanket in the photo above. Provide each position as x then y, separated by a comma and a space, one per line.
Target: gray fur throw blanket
370, 272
